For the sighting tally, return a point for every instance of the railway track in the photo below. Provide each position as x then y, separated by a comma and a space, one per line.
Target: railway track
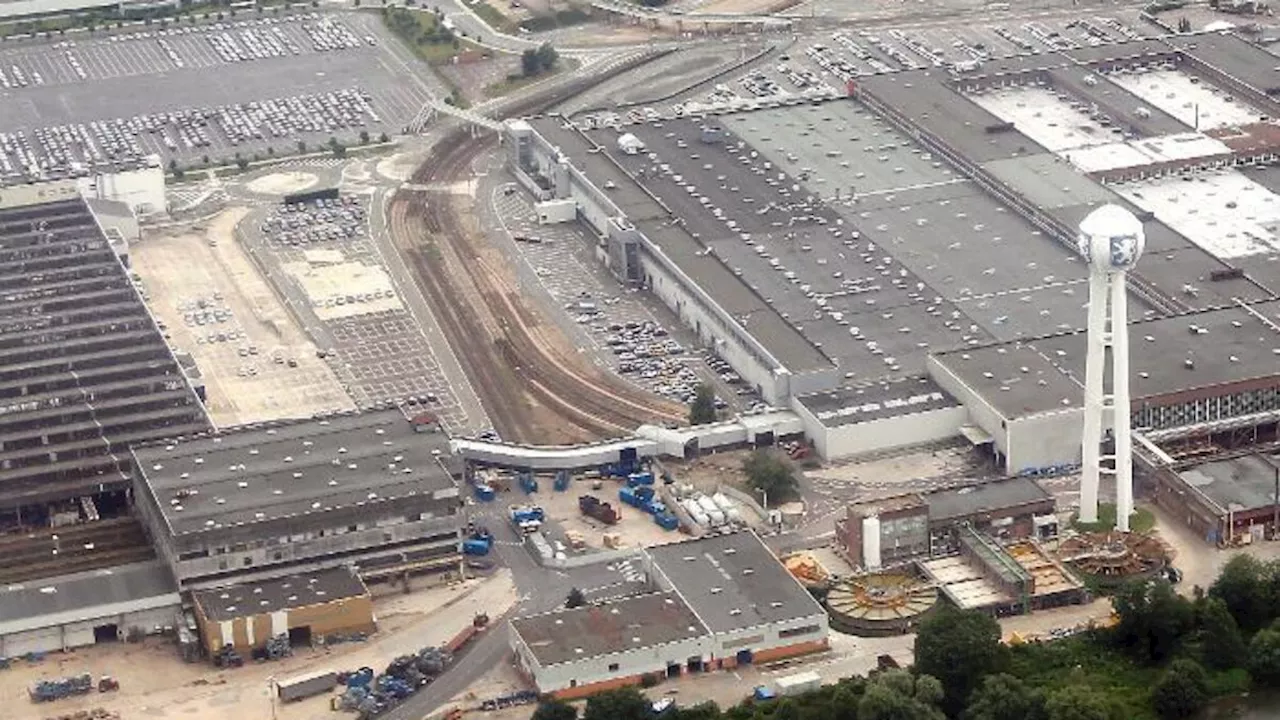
502, 343
74, 548
593, 404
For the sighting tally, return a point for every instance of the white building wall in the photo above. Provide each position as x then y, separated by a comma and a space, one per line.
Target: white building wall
69, 635
81, 634
1045, 440
694, 315
894, 432
32, 641
981, 413
142, 189
587, 671
768, 637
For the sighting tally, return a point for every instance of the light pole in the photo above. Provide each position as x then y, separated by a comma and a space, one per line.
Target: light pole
271, 695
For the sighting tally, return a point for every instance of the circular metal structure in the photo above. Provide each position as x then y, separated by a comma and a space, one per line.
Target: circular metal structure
1111, 558
1111, 239
881, 604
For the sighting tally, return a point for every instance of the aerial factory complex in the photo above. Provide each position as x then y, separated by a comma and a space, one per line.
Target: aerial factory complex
392, 380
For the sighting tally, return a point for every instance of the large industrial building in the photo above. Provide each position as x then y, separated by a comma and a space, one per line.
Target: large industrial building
712, 603
800, 238
375, 491
84, 375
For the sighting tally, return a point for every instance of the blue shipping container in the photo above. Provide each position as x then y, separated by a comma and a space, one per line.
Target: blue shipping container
475, 547
643, 492
562, 480
654, 507
644, 478
628, 496
484, 493
666, 521
528, 483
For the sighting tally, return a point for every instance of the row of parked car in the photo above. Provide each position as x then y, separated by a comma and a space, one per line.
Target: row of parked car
322, 220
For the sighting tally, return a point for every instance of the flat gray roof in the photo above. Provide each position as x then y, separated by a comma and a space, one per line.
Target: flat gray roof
988, 497
874, 401
593, 631
927, 98
1026, 377
1049, 181
1116, 102
258, 474
278, 594
1240, 483
733, 582
688, 253
1235, 56
85, 596
1118, 51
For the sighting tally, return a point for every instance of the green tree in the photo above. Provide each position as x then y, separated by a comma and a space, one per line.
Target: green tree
893, 696
1153, 619
529, 63
1264, 657
364, 137
384, 138
703, 408
205, 159
547, 57
769, 474
959, 648
622, 704
1004, 697
242, 162
576, 599
1077, 703
1183, 690
1222, 645
1243, 585
302, 146
554, 709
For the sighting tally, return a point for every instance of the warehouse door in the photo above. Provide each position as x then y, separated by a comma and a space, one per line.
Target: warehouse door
673, 670
300, 636
744, 657
106, 633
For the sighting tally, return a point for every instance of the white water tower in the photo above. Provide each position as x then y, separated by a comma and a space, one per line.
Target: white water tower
1111, 240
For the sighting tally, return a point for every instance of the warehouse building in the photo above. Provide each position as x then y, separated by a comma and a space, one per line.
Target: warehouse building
904, 528
1210, 368
71, 611
586, 650
695, 210
303, 608
713, 603
368, 490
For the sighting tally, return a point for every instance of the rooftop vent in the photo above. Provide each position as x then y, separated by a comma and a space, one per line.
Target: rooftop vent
715, 591
735, 612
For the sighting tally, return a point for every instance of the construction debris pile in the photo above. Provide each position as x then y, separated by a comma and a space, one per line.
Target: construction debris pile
277, 647
369, 696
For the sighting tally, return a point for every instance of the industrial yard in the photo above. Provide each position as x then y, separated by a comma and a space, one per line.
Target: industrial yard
257, 363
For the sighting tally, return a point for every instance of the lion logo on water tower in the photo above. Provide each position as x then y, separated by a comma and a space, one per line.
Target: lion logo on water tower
1111, 239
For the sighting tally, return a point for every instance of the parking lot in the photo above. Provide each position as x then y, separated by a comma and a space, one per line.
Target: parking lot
613, 323
832, 60
323, 261
241, 86
211, 302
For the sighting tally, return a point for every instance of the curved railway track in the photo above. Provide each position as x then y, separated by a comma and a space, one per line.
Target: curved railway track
502, 343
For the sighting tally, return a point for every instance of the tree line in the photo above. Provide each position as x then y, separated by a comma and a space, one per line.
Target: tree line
1167, 657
